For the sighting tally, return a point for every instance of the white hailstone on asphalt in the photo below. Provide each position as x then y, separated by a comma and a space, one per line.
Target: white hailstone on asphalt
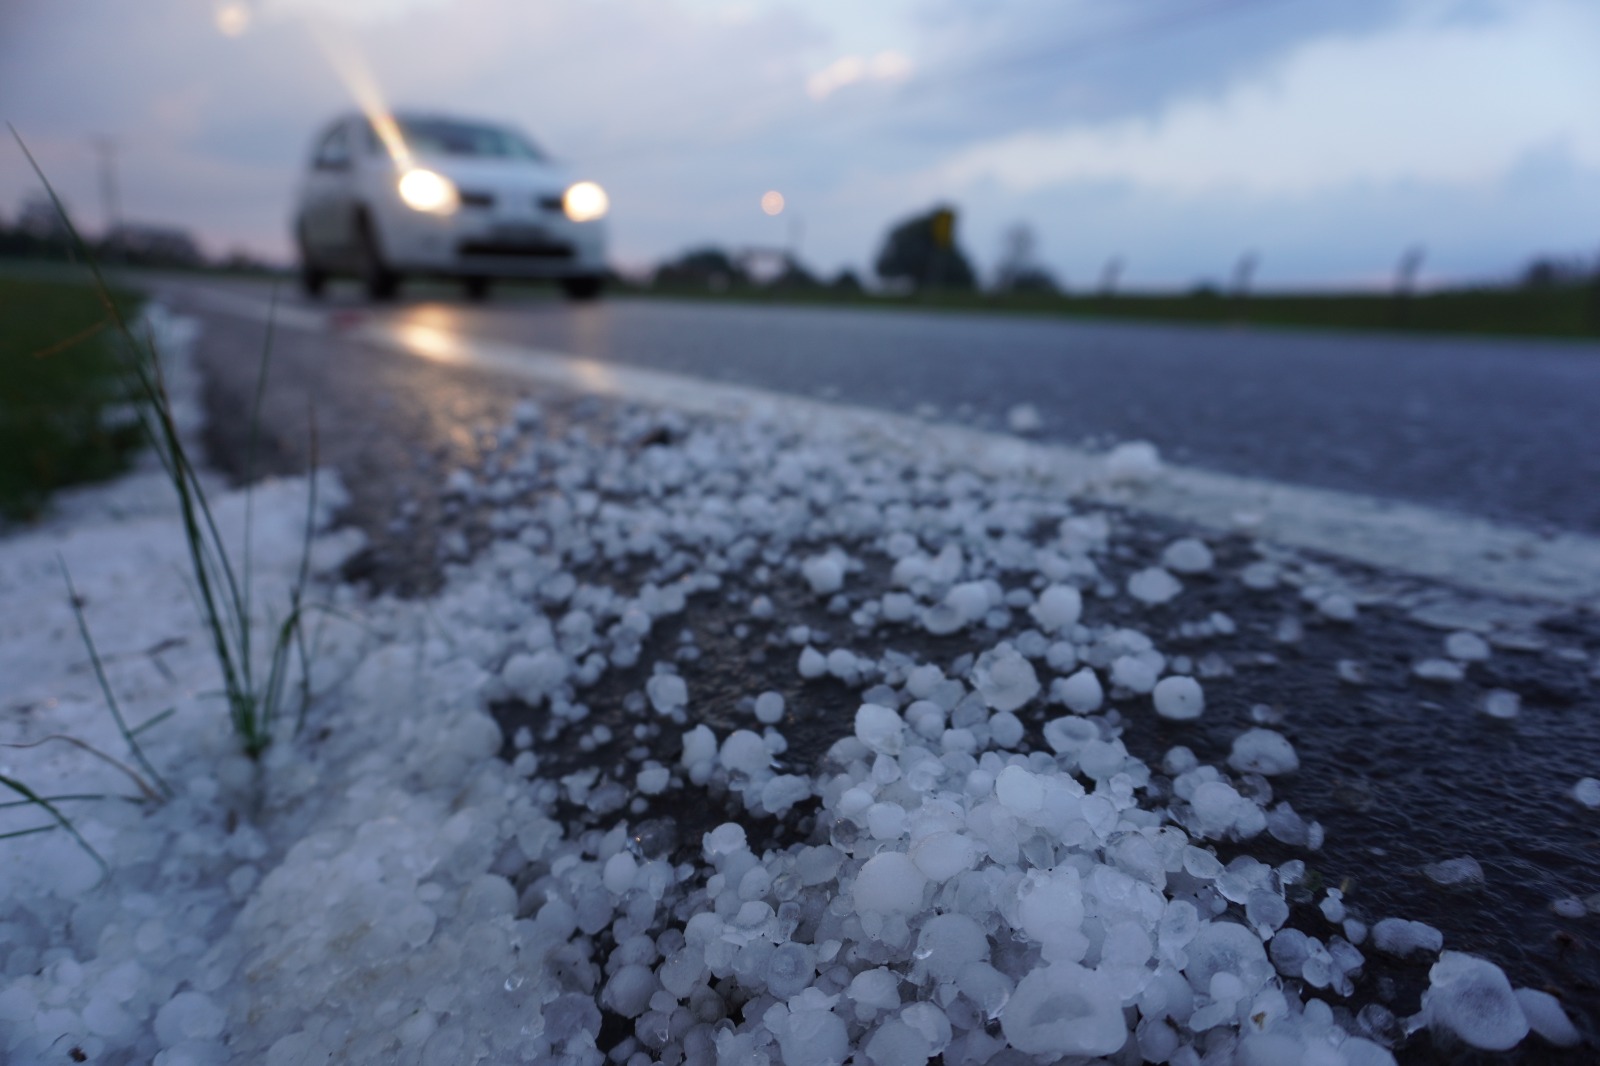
970, 600
814, 1036
1397, 936
769, 708
1587, 792
1455, 873
667, 693
948, 943
1181, 698
1471, 998
1133, 462
653, 780
1064, 1009
784, 791
1501, 703
1135, 673
1259, 575
1443, 671
824, 573
1081, 692
1019, 791
1024, 418
745, 752
1546, 1017
813, 664
888, 883
942, 855
880, 728
619, 872
1187, 555
533, 677
1262, 751
1222, 947
1466, 647
1153, 585
1219, 810
1004, 678
726, 839
1058, 608
1338, 607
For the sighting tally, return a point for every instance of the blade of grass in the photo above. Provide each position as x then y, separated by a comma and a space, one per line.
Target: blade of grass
105, 683
56, 799
29, 832
225, 604
151, 794
62, 820
155, 719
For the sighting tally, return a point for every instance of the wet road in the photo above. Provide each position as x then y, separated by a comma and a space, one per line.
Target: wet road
1503, 429
1400, 771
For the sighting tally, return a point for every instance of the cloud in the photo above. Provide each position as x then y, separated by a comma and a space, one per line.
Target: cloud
886, 66
1437, 99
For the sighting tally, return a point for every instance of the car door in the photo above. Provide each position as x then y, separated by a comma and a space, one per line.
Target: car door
324, 225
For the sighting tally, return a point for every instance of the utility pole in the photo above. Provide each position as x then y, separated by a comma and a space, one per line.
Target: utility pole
1110, 276
110, 216
1405, 282
1243, 273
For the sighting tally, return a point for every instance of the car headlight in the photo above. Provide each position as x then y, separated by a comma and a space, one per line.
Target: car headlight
423, 190
585, 202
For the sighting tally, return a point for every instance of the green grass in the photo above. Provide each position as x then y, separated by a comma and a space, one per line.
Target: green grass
1571, 311
61, 375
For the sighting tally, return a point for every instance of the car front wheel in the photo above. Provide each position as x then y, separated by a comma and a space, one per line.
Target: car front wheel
377, 278
583, 289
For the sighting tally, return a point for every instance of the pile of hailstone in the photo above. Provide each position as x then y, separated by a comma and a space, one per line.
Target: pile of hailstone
977, 869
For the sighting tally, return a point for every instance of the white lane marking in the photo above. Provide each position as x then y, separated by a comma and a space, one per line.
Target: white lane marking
1460, 550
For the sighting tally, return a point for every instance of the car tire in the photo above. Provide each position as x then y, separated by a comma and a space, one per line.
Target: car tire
380, 282
583, 290
476, 287
312, 280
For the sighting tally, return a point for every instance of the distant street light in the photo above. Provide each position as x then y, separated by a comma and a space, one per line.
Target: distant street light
233, 18
772, 202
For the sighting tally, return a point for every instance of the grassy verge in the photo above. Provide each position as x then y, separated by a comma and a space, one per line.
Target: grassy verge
1571, 311
60, 377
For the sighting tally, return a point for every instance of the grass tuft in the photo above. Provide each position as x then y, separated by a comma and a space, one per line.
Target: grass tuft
254, 701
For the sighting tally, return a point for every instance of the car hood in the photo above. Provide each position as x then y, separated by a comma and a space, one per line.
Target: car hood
492, 174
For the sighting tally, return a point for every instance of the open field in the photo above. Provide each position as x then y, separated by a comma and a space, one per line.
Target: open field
59, 375
1554, 311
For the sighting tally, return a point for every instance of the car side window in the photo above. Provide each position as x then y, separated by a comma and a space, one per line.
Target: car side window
334, 151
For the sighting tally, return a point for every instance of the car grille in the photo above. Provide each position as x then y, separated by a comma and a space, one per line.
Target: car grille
505, 248
550, 203
474, 198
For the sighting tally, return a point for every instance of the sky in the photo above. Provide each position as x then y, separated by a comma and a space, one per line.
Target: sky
1174, 136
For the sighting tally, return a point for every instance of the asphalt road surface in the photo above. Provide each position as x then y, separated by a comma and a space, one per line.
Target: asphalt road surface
1503, 429
1401, 771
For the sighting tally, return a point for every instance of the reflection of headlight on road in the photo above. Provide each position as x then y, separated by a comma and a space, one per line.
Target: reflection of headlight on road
585, 202
423, 190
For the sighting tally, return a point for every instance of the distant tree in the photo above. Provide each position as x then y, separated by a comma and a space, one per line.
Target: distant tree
1548, 271
795, 276
922, 252
845, 282
702, 268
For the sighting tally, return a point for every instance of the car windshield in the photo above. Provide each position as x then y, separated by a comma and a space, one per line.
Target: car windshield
446, 137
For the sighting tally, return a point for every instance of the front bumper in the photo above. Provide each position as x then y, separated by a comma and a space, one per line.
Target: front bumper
480, 242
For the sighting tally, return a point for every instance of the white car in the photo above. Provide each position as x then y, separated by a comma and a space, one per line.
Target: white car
444, 197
